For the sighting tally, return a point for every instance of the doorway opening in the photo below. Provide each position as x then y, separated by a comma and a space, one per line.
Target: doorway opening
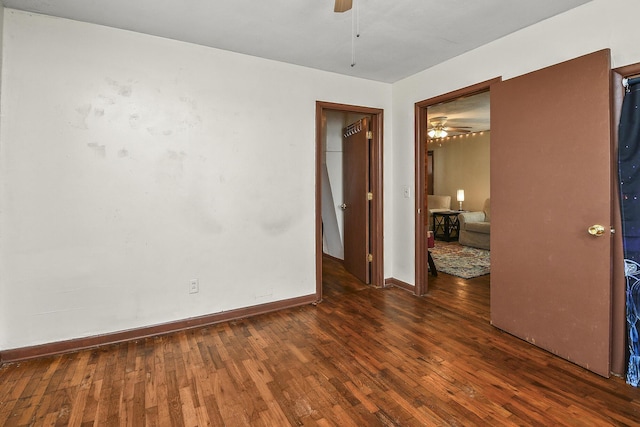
426, 123
374, 117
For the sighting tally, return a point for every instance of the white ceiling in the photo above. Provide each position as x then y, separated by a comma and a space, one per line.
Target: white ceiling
398, 38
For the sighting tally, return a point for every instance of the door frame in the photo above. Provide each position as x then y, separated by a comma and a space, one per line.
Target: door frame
421, 277
376, 180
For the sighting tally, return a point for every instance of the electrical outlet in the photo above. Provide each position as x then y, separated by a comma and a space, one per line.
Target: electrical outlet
194, 286
406, 191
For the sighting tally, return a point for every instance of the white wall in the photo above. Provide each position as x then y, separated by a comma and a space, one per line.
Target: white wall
130, 164
596, 25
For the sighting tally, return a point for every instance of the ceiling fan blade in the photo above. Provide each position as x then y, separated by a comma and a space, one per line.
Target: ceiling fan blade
457, 131
458, 128
342, 5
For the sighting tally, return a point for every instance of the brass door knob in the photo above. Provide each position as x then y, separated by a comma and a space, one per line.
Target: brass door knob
596, 230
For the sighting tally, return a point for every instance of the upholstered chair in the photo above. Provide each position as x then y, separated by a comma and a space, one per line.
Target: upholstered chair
475, 227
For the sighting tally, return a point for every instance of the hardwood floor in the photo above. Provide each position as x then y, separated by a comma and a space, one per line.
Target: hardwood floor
362, 357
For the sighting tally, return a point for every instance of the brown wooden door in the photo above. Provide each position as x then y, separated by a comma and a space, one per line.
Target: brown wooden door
550, 181
356, 213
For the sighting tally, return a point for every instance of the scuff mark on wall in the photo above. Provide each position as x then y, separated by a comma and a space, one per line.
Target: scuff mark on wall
134, 121
144, 108
122, 89
174, 155
83, 112
170, 167
277, 222
99, 150
123, 153
106, 99
190, 102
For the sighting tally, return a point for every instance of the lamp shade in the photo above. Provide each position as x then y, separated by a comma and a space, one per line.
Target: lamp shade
460, 195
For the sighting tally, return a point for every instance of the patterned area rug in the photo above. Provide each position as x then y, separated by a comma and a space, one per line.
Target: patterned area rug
461, 261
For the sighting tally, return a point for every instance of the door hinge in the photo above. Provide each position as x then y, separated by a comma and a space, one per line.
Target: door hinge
370, 257
369, 196
369, 134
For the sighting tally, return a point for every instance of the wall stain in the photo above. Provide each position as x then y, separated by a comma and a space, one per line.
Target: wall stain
106, 99
99, 150
168, 118
170, 168
134, 121
276, 226
154, 131
174, 155
83, 112
121, 89
123, 153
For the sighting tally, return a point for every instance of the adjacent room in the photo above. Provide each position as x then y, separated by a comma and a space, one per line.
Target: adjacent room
458, 185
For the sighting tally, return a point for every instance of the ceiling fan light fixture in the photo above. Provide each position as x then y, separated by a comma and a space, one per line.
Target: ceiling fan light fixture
437, 133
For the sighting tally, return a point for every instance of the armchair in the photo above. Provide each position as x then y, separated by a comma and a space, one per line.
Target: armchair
437, 204
475, 227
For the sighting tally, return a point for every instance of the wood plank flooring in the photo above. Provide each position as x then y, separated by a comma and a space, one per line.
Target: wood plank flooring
362, 357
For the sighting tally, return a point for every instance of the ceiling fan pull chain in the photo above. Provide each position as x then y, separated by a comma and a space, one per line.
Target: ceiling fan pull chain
355, 32
353, 38
357, 18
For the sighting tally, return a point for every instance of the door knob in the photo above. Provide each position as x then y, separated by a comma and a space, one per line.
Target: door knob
596, 230
343, 206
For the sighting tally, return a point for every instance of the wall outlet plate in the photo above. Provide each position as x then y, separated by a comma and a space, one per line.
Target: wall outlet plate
406, 192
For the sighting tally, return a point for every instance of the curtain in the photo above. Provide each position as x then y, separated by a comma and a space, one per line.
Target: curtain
629, 171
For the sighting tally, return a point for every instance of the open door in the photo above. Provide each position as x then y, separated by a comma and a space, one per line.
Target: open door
356, 152
550, 182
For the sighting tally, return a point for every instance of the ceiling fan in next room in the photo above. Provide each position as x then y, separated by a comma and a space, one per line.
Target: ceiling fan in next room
437, 128
342, 5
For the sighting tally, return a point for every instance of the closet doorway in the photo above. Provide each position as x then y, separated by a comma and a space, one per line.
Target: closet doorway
375, 198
